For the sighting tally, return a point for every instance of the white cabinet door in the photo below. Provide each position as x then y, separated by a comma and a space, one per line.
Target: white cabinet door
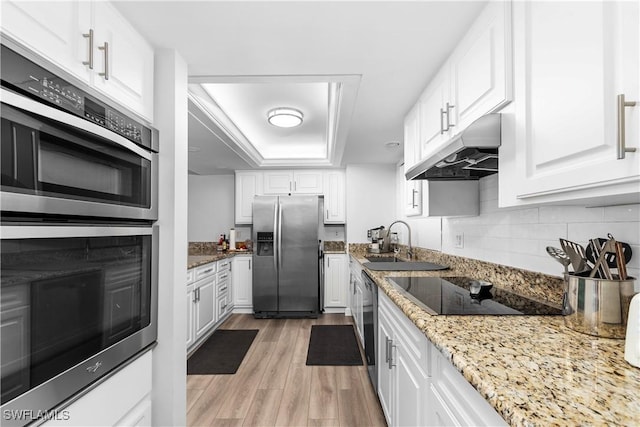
411, 386
278, 182
434, 131
385, 378
335, 280
126, 63
205, 313
191, 303
412, 137
54, 30
139, 416
242, 282
248, 185
307, 182
571, 61
413, 198
335, 197
481, 66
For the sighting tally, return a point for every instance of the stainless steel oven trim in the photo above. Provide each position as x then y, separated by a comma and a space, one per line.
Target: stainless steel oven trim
44, 110
68, 386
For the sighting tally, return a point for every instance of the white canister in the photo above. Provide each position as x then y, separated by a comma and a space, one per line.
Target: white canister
232, 239
632, 343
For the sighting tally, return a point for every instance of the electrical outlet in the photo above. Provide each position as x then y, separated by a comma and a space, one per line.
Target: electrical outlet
459, 241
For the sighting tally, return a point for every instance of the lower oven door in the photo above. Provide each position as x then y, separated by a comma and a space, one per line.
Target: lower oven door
76, 302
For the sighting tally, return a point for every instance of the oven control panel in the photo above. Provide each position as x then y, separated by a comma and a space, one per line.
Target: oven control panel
24, 76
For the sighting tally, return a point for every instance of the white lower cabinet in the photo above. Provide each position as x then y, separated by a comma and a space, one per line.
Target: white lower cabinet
403, 381
209, 299
417, 385
242, 279
124, 399
335, 281
356, 288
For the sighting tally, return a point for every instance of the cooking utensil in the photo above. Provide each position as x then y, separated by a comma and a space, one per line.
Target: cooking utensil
610, 258
576, 254
601, 266
622, 265
560, 256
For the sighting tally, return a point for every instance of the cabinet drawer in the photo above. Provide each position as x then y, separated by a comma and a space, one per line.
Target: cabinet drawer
191, 276
205, 270
224, 304
224, 275
222, 287
224, 265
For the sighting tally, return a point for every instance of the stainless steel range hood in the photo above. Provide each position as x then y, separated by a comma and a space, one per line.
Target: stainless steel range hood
472, 154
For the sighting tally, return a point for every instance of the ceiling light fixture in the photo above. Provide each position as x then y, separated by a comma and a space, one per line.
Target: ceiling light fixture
392, 144
285, 117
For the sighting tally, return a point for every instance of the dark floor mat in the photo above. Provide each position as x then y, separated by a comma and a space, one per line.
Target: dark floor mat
222, 353
333, 345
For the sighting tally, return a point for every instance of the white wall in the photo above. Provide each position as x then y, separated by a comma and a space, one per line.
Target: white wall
518, 236
371, 199
211, 207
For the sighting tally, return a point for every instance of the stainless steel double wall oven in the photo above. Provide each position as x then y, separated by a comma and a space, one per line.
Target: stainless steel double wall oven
79, 245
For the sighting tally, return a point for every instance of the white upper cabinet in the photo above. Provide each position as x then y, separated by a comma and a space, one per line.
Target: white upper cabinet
481, 76
412, 137
56, 31
335, 198
248, 185
413, 189
561, 142
72, 35
476, 79
293, 182
124, 61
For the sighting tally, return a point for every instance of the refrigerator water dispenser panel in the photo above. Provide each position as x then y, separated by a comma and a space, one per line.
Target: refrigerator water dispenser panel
265, 243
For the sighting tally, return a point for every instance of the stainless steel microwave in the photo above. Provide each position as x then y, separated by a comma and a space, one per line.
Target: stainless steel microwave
65, 152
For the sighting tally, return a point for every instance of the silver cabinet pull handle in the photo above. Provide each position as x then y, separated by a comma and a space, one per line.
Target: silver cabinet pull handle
622, 148
249, 264
413, 199
89, 36
391, 361
195, 296
223, 289
442, 129
387, 341
449, 124
105, 48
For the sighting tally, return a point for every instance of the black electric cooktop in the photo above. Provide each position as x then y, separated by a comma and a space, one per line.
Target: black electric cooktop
453, 296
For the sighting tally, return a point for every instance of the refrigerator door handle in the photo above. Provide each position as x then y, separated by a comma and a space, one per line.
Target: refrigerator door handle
279, 236
275, 232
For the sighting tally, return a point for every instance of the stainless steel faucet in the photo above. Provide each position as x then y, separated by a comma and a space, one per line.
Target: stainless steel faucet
387, 239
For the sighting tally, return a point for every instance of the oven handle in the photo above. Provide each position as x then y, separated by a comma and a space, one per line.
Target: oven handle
32, 106
49, 232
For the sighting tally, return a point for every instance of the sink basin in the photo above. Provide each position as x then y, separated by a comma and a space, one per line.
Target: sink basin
403, 266
381, 259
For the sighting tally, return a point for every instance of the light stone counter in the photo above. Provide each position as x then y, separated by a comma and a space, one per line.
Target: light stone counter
532, 369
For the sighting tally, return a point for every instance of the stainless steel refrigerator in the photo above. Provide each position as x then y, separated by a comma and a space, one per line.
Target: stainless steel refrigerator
287, 258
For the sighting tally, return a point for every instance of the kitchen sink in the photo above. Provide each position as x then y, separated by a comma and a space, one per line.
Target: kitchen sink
382, 259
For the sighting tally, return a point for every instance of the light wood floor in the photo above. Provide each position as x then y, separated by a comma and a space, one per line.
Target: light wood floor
274, 387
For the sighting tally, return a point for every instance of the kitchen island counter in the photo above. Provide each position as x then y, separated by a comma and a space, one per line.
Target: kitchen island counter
532, 369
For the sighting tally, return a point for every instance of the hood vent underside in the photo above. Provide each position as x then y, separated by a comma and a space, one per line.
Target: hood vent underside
471, 155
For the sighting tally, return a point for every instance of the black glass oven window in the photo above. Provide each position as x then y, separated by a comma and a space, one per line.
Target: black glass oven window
44, 157
64, 300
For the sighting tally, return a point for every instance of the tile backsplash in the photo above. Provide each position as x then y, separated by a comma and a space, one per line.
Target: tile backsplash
518, 237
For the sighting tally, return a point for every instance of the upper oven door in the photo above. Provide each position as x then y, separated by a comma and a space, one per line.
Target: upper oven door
55, 163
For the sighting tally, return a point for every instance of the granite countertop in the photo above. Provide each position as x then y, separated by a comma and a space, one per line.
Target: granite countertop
532, 369
334, 247
194, 261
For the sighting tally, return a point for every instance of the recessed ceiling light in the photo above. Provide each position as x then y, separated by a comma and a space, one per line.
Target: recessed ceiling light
392, 144
285, 117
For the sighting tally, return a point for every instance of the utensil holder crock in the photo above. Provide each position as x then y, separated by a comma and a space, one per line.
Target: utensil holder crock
598, 307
